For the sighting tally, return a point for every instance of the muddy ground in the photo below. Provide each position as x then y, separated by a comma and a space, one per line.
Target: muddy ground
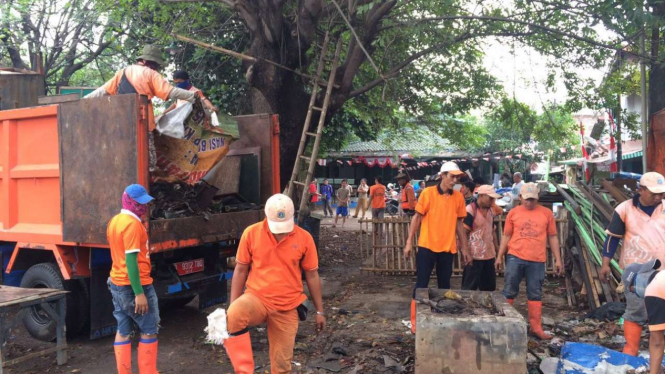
365, 331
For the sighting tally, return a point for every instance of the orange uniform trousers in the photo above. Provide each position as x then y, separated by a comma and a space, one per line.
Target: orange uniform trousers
249, 310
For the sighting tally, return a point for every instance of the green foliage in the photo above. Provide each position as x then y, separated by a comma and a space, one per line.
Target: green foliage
514, 127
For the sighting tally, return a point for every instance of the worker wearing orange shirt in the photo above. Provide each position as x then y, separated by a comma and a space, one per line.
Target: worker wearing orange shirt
143, 78
377, 195
408, 194
278, 252
134, 297
439, 214
529, 228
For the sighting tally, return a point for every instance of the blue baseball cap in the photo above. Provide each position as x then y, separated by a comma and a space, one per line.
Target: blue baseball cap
138, 194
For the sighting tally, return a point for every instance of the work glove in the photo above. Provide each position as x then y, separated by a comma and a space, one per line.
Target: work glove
180, 94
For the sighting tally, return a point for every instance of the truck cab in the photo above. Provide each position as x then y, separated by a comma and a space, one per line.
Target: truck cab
63, 169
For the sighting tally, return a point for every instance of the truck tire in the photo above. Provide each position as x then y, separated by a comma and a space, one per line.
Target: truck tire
36, 321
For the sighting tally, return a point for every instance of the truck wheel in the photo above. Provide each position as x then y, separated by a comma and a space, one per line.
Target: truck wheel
36, 321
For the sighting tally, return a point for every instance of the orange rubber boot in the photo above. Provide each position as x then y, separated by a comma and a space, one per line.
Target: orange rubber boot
535, 320
632, 332
123, 356
239, 349
148, 356
510, 301
413, 316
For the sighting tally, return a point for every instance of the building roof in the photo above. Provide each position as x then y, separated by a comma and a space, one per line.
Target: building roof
629, 149
420, 142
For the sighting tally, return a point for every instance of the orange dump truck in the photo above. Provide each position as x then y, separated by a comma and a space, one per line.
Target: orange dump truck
63, 169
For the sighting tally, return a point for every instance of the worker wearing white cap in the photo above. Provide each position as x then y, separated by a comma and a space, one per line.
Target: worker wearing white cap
439, 214
640, 224
278, 252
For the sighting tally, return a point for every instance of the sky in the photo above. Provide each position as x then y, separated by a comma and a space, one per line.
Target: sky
525, 71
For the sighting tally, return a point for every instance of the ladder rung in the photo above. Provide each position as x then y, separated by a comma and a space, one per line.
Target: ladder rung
311, 134
299, 183
306, 158
317, 108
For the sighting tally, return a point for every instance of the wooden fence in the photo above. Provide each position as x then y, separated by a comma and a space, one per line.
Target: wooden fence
382, 245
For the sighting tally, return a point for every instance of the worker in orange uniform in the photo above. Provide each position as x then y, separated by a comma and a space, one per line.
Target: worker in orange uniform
408, 194
143, 78
134, 297
640, 224
277, 252
439, 214
377, 195
529, 227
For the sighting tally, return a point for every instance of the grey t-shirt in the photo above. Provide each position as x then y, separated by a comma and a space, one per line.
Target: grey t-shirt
343, 194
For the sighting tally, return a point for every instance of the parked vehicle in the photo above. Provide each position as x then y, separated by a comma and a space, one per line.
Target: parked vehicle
64, 169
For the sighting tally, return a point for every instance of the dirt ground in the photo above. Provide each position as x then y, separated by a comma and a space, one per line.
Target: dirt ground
365, 333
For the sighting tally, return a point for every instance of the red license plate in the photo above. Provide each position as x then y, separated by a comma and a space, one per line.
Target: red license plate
189, 267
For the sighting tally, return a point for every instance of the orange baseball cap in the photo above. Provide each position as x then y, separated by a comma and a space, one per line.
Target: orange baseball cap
655, 182
279, 213
486, 189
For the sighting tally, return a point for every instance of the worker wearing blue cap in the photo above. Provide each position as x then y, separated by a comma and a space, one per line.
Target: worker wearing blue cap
134, 297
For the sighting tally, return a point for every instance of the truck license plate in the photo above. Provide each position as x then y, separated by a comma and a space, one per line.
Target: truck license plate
189, 267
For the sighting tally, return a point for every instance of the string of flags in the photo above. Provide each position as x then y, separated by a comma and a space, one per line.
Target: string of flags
407, 161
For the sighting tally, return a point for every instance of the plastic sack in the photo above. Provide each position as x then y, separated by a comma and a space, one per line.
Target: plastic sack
173, 123
191, 157
608, 311
580, 358
216, 329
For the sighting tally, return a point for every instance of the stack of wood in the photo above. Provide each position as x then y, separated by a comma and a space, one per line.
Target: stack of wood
590, 211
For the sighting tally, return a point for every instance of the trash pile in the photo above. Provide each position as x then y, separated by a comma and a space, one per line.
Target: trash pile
453, 303
179, 199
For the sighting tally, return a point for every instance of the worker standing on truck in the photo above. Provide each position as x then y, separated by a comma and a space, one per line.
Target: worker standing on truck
640, 224
143, 78
134, 297
278, 252
181, 80
439, 214
529, 227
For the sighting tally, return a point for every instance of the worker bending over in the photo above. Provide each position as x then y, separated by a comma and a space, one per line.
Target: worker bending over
277, 252
134, 297
439, 214
529, 227
640, 224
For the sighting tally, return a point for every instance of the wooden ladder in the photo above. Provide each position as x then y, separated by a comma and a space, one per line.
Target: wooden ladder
310, 159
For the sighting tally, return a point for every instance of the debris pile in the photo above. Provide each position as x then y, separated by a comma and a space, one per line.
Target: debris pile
590, 210
452, 303
179, 199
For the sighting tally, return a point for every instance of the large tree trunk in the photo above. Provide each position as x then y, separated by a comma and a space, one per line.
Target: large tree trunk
657, 70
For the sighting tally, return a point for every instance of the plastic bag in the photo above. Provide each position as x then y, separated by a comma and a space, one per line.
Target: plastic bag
173, 123
216, 329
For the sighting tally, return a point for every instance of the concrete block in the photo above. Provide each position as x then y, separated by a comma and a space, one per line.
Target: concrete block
469, 344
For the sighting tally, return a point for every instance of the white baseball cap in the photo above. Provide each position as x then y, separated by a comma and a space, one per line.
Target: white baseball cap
279, 213
654, 182
451, 168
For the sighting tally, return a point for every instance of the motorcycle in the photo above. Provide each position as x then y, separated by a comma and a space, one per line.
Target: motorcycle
392, 203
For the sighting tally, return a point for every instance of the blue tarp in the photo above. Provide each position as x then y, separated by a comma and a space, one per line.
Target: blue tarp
580, 358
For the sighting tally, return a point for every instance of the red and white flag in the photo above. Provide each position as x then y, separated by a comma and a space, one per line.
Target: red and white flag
321, 162
584, 153
613, 146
